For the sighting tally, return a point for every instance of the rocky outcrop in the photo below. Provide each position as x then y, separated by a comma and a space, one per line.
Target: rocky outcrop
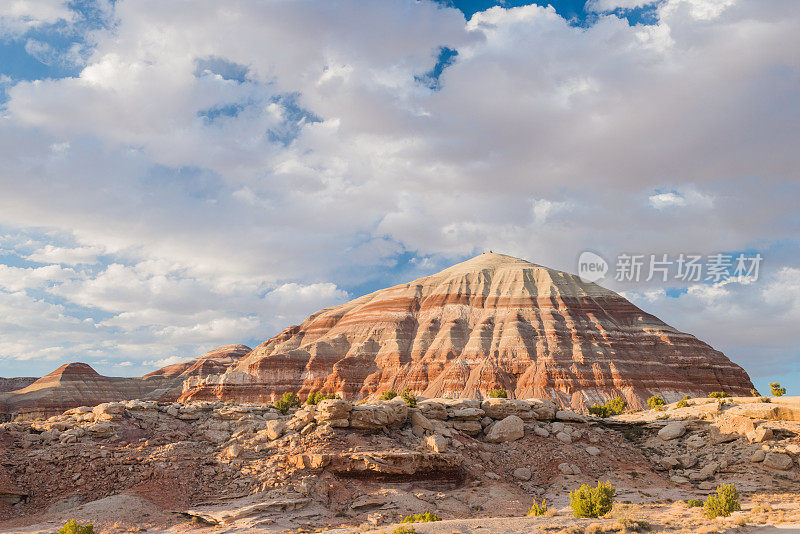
493, 321
77, 384
211, 363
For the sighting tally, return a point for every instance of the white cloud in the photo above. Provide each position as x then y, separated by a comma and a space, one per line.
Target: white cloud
17, 16
66, 255
544, 139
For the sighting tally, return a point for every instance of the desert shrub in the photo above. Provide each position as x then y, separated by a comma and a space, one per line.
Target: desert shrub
408, 396
388, 395
655, 401
777, 390
287, 402
754, 393
718, 395
682, 404
633, 525
612, 407
404, 530
73, 527
426, 517
694, 503
723, 503
587, 501
537, 509
317, 396
499, 393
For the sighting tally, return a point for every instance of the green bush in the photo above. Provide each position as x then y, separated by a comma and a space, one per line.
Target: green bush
388, 395
694, 503
777, 390
315, 397
73, 527
427, 517
682, 404
612, 407
287, 402
404, 530
499, 393
655, 401
587, 501
537, 509
718, 395
408, 396
723, 503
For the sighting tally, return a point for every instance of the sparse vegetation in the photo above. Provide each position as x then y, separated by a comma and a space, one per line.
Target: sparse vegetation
694, 503
426, 517
287, 402
73, 527
587, 501
723, 503
388, 395
612, 407
682, 404
718, 395
655, 401
404, 530
537, 509
777, 390
499, 393
316, 396
408, 396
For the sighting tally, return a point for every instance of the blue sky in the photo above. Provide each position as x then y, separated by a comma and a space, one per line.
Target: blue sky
167, 189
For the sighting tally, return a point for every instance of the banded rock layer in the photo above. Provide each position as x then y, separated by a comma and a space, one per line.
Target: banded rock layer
492, 321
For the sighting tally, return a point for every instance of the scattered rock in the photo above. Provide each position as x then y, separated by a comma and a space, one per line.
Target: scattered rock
673, 430
509, 429
522, 473
778, 461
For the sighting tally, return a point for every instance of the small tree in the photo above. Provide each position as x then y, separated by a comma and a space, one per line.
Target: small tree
287, 402
315, 397
723, 503
73, 527
777, 390
587, 501
408, 396
537, 509
655, 401
426, 517
498, 393
612, 407
388, 395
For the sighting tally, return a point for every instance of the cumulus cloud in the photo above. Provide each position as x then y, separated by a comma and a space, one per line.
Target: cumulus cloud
17, 16
215, 187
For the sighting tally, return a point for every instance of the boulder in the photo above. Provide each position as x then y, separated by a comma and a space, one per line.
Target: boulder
502, 408
374, 416
510, 428
672, 431
471, 428
274, 429
592, 450
758, 456
567, 415
333, 412
432, 409
522, 473
778, 460
420, 424
564, 437
760, 435
108, 411
301, 418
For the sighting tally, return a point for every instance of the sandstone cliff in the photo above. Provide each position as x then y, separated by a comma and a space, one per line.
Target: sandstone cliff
492, 321
213, 362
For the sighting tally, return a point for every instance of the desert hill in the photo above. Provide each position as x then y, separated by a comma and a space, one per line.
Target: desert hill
492, 321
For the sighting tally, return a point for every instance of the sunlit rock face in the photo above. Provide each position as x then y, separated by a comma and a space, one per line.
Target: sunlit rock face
492, 321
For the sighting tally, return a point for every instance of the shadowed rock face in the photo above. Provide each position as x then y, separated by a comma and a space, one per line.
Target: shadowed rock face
492, 321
